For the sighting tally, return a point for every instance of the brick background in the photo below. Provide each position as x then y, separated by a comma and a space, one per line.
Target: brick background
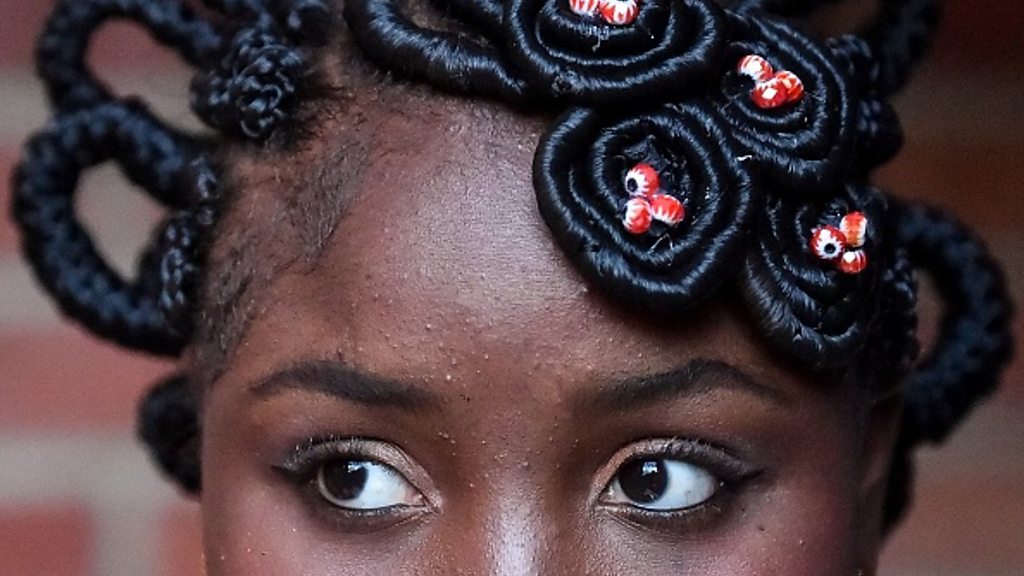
30, 531
77, 496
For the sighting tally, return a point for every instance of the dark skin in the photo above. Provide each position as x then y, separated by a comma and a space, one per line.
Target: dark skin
441, 393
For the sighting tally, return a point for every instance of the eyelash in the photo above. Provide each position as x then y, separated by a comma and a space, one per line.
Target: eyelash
732, 474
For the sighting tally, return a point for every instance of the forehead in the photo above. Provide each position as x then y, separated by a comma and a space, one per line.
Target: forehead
441, 264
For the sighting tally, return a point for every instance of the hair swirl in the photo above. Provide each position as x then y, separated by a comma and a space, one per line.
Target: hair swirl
669, 50
804, 306
805, 147
447, 60
578, 176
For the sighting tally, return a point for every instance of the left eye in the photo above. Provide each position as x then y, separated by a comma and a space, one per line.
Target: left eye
661, 484
364, 485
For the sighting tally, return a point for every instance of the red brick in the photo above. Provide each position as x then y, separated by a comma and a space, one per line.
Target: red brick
8, 237
66, 379
54, 540
182, 551
18, 28
1012, 390
124, 46
118, 45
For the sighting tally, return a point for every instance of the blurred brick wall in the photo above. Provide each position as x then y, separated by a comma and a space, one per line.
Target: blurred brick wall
77, 496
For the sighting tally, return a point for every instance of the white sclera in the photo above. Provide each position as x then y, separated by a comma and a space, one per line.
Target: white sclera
383, 487
687, 486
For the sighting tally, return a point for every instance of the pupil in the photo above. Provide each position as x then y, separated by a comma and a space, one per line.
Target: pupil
344, 479
830, 248
643, 481
632, 185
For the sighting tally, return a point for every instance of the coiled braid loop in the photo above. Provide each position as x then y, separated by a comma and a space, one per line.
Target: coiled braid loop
62, 253
975, 340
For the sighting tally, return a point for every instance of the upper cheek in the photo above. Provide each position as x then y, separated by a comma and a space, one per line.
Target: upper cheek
251, 530
775, 540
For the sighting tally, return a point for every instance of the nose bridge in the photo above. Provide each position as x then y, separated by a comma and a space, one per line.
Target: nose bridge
510, 529
519, 541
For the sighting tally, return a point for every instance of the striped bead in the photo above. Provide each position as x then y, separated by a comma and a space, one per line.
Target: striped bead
853, 262
769, 94
792, 84
667, 209
619, 12
755, 67
827, 242
855, 227
584, 7
642, 180
637, 219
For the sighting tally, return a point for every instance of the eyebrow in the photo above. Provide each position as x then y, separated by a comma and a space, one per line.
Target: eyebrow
339, 380
695, 377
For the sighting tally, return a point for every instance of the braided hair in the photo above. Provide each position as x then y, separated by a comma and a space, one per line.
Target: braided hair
696, 147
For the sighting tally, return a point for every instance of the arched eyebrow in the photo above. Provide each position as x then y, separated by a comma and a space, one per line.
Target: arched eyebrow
339, 380
695, 377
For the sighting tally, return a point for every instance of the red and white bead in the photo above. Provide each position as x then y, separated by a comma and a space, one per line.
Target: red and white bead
828, 243
755, 67
770, 94
619, 12
637, 219
771, 89
792, 84
642, 180
584, 7
853, 262
667, 209
855, 227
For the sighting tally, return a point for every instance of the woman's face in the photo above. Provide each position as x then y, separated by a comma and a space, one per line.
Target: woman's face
442, 394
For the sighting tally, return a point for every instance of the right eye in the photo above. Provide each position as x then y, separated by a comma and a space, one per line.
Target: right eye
364, 485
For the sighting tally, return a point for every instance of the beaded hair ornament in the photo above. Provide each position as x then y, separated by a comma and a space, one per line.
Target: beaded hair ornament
697, 147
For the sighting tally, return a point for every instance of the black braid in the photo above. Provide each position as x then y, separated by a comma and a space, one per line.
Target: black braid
900, 35
971, 350
975, 339
447, 60
60, 53
61, 252
181, 248
168, 423
879, 135
254, 89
